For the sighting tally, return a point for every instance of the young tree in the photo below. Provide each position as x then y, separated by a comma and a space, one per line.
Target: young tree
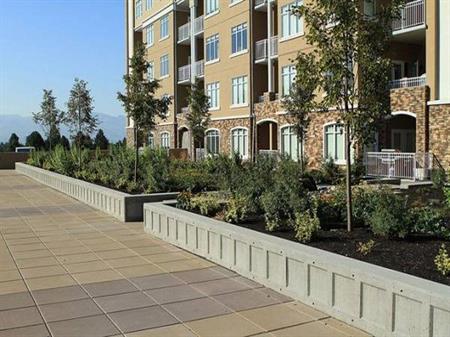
49, 117
79, 116
302, 98
350, 47
65, 143
13, 142
101, 141
139, 99
35, 139
54, 138
198, 116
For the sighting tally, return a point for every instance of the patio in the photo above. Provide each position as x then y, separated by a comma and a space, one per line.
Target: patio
69, 270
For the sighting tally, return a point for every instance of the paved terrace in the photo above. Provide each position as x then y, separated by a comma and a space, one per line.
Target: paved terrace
69, 270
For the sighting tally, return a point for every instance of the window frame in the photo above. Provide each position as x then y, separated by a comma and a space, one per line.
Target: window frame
241, 90
286, 11
151, 140
336, 159
148, 4
150, 28
210, 87
216, 137
291, 134
138, 9
214, 9
290, 74
239, 34
244, 144
164, 20
164, 136
166, 59
212, 40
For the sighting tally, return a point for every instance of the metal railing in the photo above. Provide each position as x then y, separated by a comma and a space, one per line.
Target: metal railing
409, 82
199, 25
261, 50
411, 15
184, 32
411, 166
200, 68
184, 73
184, 110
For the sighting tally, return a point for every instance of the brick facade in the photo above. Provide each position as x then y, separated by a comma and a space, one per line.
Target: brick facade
439, 121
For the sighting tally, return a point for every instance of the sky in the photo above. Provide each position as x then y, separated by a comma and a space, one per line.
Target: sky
48, 43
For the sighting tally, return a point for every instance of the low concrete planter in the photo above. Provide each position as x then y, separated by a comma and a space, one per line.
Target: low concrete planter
123, 206
380, 301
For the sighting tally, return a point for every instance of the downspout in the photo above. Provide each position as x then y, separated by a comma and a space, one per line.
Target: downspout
252, 116
175, 76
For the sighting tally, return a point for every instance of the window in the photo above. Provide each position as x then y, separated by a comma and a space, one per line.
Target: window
334, 142
138, 9
151, 140
287, 78
234, 1
164, 27
239, 90
239, 142
164, 66
165, 140
148, 4
149, 33
289, 143
291, 24
211, 6
212, 141
239, 38
212, 48
151, 71
213, 91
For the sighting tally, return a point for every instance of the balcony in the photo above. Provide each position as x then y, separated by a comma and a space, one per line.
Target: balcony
184, 31
412, 17
261, 49
409, 82
184, 72
261, 5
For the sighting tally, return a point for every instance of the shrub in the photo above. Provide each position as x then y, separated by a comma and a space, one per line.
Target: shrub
237, 209
427, 220
438, 177
206, 203
442, 261
306, 225
184, 200
365, 248
328, 173
388, 218
446, 191
37, 158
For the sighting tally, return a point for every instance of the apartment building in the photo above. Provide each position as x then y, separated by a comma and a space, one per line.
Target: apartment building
242, 51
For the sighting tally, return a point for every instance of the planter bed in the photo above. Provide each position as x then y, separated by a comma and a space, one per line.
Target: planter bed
123, 206
380, 301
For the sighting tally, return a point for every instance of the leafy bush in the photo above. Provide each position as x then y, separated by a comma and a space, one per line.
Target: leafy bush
184, 200
442, 261
438, 177
237, 209
206, 204
388, 218
37, 158
365, 248
446, 191
306, 225
427, 220
328, 173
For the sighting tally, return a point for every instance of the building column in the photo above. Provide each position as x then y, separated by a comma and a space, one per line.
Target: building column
269, 47
432, 48
193, 13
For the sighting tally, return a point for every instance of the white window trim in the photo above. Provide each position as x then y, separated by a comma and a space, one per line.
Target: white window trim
235, 3
164, 38
218, 50
219, 136
244, 51
231, 140
324, 148
207, 16
301, 144
237, 106
212, 62
291, 37
218, 96
160, 139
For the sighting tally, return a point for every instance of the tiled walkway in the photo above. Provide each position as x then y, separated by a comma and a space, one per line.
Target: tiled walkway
69, 270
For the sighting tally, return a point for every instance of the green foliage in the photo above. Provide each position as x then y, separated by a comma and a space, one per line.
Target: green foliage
428, 220
191, 176
13, 142
37, 158
237, 209
35, 139
328, 173
365, 248
442, 261
446, 191
184, 200
100, 140
438, 177
307, 224
206, 204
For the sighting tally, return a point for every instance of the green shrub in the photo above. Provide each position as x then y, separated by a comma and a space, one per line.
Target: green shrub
389, 215
446, 191
206, 203
442, 261
37, 158
184, 200
328, 173
307, 224
427, 220
438, 177
237, 209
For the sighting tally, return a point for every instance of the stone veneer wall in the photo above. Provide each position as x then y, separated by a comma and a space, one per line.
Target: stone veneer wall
130, 136
414, 100
225, 126
439, 121
162, 128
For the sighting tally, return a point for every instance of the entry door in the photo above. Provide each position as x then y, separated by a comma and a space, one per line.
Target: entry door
185, 140
404, 140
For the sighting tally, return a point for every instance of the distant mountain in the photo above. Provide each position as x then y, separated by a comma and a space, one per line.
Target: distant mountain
112, 126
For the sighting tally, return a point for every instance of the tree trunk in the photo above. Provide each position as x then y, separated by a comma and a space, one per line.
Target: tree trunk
300, 154
348, 177
136, 153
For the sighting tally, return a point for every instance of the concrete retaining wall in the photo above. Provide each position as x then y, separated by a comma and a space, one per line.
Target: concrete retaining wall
125, 207
9, 159
375, 299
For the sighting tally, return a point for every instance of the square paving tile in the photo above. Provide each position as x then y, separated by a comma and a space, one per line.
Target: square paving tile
9, 287
140, 319
175, 294
77, 258
309, 329
28, 331
50, 282
116, 253
33, 254
109, 288
137, 271
70, 250
225, 326
43, 271
167, 257
126, 301
10, 275
86, 266
62, 294
156, 281
196, 309
14, 301
247, 299
177, 330
199, 275
37, 262
16, 318
222, 286
127, 262
68, 310
97, 276
94, 326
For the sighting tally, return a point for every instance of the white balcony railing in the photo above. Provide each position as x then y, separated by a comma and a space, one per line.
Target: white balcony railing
199, 25
184, 110
411, 15
184, 32
184, 73
261, 49
409, 82
200, 68
399, 165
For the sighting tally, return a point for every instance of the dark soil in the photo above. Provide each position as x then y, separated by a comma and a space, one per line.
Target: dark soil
413, 256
